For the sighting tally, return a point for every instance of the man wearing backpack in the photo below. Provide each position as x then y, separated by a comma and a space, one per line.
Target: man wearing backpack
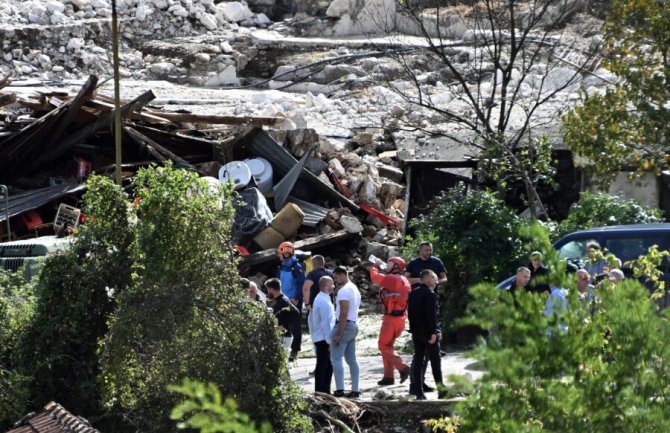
291, 273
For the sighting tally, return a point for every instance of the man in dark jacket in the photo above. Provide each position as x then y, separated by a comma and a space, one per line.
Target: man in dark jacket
424, 325
538, 274
286, 313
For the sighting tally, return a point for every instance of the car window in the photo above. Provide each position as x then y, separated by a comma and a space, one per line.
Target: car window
630, 248
574, 249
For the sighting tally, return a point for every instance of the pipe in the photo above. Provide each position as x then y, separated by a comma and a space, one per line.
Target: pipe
4, 190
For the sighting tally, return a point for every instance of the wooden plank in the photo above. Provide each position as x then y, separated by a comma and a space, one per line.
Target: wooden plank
88, 130
74, 105
149, 144
216, 119
305, 244
7, 98
6, 79
146, 117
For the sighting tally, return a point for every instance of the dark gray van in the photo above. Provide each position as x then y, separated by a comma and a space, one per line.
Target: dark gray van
627, 242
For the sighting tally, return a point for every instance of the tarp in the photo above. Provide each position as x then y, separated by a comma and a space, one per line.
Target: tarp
25, 201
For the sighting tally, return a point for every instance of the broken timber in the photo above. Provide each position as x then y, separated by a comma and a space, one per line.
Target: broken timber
214, 119
305, 244
154, 148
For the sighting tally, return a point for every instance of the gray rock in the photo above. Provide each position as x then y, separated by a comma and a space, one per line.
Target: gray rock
351, 224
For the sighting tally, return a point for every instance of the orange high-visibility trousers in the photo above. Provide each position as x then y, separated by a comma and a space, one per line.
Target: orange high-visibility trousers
392, 328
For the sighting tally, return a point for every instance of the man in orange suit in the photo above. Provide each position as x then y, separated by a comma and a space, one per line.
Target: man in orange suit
394, 291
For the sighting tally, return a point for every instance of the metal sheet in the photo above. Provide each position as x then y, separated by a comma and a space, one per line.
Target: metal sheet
29, 200
284, 187
314, 213
259, 143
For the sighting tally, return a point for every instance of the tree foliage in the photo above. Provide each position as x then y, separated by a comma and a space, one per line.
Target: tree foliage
490, 90
184, 316
574, 370
205, 410
476, 236
628, 125
599, 210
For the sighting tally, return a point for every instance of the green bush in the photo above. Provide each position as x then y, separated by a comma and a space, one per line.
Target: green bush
575, 371
17, 304
58, 349
597, 210
476, 236
183, 314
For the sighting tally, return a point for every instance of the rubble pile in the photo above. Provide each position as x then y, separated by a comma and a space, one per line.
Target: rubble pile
314, 190
63, 39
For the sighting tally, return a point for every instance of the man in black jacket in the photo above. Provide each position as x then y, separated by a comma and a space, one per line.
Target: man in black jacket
285, 312
424, 325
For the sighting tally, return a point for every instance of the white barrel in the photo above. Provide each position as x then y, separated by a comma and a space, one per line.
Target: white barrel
261, 170
236, 172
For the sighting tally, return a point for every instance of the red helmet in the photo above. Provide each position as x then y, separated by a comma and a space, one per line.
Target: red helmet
286, 247
398, 262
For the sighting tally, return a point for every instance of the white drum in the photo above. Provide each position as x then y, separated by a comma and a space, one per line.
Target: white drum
236, 172
261, 170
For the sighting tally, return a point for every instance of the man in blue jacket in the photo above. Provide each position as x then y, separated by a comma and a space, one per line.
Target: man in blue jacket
291, 273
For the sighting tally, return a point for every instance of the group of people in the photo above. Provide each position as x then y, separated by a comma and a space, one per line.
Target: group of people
598, 269
407, 293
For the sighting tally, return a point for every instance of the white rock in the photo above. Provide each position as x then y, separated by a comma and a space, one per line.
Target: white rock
75, 44
57, 68
226, 47
330, 147
178, 11
143, 11
57, 18
351, 224
161, 4
202, 57
262, 20
162, 68
54, 6
228, 76
208, 21
44, 60
337, 167
99, 4
338, 8
8, 57
80, 4
234, 11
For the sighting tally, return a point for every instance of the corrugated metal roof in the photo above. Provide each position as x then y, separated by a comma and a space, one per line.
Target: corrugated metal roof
28, 200
314, 213
260, 143
54, 419
284, 187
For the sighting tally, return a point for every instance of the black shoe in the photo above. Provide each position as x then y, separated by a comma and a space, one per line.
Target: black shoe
421, 397
412, 390
312, 373
353, 394
404, 374
427, 388
338, 393
387, 381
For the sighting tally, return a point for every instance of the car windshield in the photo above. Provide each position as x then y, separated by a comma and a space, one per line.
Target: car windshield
574, 250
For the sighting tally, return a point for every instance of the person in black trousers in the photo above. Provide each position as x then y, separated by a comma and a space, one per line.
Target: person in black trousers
424, 325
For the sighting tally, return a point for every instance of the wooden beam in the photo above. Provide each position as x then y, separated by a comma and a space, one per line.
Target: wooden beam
305, 244
149, 118
151, 145
215, 119
7, 98
74, 105
88, 130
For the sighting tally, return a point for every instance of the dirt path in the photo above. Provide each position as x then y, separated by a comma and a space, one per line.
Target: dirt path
371, 367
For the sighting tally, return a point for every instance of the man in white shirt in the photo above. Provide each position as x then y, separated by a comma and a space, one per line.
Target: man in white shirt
342, 338
322, 321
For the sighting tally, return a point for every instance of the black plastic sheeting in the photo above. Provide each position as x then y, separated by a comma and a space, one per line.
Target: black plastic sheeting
252, 214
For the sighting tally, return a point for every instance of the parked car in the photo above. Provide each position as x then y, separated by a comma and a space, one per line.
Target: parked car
28, 255
627, 242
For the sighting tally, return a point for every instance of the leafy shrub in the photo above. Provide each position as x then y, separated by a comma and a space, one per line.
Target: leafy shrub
577, 371
58, 349
184, 316
476, 236
16, 310
205, 410
597, 210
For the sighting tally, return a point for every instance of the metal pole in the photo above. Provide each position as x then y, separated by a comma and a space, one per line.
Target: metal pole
5, 191
117, 97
